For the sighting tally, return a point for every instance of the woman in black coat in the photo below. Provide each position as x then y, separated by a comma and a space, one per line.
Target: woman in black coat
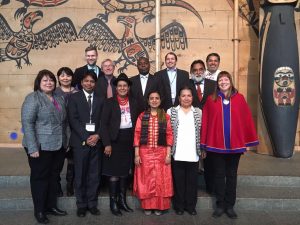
118, 121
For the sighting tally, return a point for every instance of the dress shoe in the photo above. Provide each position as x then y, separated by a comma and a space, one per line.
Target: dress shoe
192, 212
218, 212
231, 213
179, 212
94, 211
56, 212
41, 218
81, 212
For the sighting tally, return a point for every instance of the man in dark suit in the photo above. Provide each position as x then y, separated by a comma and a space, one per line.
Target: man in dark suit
104, 87
84, 112
91, 56
201, 86
170, 81
142, 84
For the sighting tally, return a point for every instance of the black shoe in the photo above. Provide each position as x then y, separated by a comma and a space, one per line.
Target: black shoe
218, 212
56, 212
231, 213
122, 204
192, 212
114, 207
179, 212
81, 212
94, 211
41, 218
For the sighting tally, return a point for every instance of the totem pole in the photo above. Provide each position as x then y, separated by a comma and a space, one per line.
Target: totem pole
279, 75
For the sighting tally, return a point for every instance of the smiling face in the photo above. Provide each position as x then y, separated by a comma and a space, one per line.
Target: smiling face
154, 100
212, 64
65, 79
47, 84
91, 57
224, 84
108, 67
122, 88
170, 61
88, 84
186, 98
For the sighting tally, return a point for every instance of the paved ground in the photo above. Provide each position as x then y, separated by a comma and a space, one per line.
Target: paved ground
138, 218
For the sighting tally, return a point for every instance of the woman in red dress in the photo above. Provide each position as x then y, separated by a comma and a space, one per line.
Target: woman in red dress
153, 139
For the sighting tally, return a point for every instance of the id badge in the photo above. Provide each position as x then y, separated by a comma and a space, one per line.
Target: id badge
90, 127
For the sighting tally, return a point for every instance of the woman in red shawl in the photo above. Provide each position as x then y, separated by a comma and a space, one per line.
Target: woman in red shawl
227, 129
153, 140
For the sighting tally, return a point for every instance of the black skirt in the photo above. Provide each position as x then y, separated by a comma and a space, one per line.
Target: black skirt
121, 159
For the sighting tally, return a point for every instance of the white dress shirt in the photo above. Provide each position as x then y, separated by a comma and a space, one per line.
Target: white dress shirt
144, 80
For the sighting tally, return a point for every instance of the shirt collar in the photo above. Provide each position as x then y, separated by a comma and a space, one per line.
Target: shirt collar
87, 94
144, 76
172, 70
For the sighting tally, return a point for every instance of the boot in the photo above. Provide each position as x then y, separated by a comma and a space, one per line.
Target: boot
122, 196
113, 198
70, 179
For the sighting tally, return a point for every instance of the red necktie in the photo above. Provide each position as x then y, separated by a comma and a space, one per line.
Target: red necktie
199, 92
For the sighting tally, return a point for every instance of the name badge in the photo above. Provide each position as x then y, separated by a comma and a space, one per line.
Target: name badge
90, 127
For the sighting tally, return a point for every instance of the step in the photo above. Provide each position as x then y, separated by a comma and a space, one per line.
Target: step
243, 180
248, 198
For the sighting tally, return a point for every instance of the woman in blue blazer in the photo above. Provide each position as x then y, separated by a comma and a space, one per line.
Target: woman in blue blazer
43, 116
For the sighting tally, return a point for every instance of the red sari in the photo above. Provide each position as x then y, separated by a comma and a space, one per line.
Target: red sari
153, 183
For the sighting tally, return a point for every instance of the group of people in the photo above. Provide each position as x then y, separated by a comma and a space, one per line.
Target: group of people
157, 127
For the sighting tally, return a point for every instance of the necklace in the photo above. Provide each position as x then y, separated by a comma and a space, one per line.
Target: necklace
122, 101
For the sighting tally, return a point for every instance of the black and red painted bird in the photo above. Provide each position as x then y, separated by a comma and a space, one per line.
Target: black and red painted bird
130, 45
21, 42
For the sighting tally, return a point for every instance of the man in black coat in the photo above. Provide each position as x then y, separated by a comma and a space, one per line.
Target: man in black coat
104, 87
142, 84
91, 56
201, 86
84, 113
170, 81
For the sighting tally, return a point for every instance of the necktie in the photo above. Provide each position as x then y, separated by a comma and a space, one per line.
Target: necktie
199, 92
109, 90
90, 102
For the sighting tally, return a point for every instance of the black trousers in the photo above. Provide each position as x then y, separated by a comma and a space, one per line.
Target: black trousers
208, 174
44, 176
225, 170
185, 177
87, 177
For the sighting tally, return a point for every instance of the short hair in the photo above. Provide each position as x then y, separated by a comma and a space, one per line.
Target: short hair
185, 87
65, 70
39, 77
213, 54
90, 73
107, 60
171, 53
91, 48
198, 61
144, 58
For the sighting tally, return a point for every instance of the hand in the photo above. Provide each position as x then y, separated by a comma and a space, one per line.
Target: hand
107, 150
92, 140
168, 159
35, 154
203, 154
137, 160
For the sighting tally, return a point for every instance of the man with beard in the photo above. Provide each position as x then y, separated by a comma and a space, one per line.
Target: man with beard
202, 88
212, 63
91, 56
142, 84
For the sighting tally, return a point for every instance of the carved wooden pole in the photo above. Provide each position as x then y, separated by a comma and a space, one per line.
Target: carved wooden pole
157, 35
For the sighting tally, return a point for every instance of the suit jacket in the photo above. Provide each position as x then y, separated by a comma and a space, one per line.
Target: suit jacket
79, 115
136, 91
209, 88
111, 119
78, 74
182, 79
101, 86
44, 126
